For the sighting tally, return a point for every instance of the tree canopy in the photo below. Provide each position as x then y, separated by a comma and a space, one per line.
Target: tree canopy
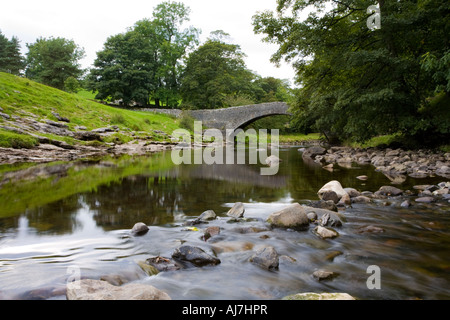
51, 61
144, 63
215, 71
357, 83
11, 60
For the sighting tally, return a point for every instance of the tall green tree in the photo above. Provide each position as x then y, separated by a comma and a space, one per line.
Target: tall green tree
215, 72
51, 61
358, 83
11, 60
144, 64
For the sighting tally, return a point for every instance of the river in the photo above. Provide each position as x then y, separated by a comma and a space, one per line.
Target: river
61, 217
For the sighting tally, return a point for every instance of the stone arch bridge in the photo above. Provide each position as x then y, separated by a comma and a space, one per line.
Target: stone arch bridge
231, 118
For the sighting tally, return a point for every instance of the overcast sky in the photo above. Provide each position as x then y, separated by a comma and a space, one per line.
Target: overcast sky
90, 22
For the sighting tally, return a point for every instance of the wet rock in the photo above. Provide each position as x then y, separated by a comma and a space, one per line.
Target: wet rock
389, 191
352, 192
405, 204
362, 178
312, 152
237, 211
293, 217
325, 233
323, 275
102, 290
319, 296
330, 196
345, 200
321, 204
324, 220
266, 258
246, 230
425, 200
139, 229
207, 216
361, 199
334, 219
147, 268
189, 255
443, 171
333, 254
162, 264
312, 216
210, 232
332, 186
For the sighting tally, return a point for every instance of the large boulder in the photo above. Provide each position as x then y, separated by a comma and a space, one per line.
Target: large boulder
332, 186
188, 256
293, 217
101, 290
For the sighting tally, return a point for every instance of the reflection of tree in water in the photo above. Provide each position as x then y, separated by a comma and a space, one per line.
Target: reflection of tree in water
152, 200
157, 200
53, 219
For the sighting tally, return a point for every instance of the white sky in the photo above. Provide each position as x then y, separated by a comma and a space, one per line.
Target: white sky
90, 22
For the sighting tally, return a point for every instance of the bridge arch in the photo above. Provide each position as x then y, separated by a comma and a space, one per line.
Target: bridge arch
232, 118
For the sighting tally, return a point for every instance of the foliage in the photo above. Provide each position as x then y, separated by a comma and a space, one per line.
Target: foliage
51, 61
72, 85
143, 64
358, 83
11, 60
215, 71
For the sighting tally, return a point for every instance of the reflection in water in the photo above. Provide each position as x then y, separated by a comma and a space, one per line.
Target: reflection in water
80, 214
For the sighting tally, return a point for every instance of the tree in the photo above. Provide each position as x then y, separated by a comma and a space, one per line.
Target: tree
358, 83
213, 73
144, 63
11, 60
51, 61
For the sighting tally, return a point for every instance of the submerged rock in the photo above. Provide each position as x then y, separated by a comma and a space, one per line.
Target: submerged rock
266, 258
293, 217
189, 255
101, 290
323, 275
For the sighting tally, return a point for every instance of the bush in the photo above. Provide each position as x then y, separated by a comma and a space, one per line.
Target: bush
187, 122
118, 118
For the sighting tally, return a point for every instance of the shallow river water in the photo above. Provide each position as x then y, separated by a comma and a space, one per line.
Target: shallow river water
63, 219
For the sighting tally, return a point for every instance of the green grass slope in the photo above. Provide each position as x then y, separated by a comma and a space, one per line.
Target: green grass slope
21, 98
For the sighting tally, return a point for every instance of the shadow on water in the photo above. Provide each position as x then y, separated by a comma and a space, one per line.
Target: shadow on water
79, 214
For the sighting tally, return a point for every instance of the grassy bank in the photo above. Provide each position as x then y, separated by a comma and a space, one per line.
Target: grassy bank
21, 98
